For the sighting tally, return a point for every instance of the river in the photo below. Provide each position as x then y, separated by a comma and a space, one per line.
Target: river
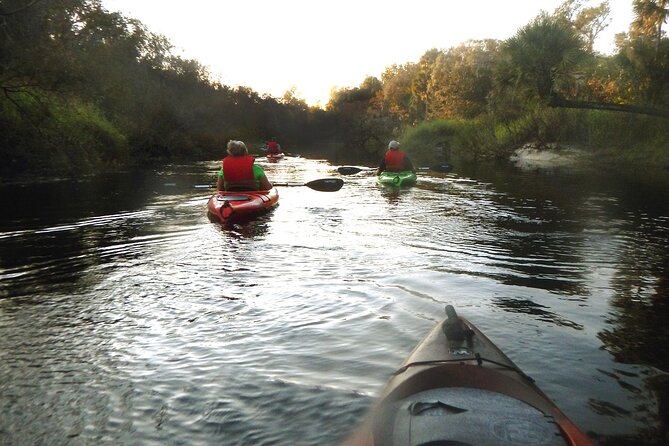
126, 317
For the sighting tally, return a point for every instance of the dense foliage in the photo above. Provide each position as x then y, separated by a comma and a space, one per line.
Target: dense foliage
82, 89
545, 84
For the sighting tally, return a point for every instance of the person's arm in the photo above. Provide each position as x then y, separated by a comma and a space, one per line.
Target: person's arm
408, 165
382, 167
261, 178
220, 182
265, 184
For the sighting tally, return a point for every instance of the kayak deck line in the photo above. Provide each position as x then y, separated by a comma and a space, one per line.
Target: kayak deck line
232, 197
477, 357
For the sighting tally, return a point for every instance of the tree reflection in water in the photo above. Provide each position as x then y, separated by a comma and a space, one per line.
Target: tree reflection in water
641, 336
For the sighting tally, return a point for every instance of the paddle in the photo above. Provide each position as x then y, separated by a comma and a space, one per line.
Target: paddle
321, 185
351, 170
438, 168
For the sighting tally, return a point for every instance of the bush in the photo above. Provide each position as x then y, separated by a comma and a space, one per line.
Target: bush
439, 141
89, 139
47, 133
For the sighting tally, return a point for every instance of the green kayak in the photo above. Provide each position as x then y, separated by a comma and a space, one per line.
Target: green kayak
398, 179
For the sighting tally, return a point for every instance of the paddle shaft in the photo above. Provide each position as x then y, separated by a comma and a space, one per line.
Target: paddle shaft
352, 170
321, 185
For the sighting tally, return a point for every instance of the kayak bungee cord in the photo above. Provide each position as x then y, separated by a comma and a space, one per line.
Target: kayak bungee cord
478, 358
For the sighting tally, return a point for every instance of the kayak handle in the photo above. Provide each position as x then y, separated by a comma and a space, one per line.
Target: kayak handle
454, 329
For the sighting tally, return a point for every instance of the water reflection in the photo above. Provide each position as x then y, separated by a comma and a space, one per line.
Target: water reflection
565, 232
250, 229
638, 334
526, 306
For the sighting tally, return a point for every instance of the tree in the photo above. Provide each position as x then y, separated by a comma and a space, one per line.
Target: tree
541, 61
588, 22
643, 55
461, 80
421, 83
650, 16
398, 100
361, 119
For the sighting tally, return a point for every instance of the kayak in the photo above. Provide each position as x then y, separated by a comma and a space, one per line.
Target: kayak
398, 179
225, 207
274, 156
458, 388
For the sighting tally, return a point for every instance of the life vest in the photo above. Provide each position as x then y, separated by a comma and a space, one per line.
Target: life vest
273, 147
238, 173
394, 161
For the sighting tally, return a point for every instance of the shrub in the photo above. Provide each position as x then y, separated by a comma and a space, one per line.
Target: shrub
441, 140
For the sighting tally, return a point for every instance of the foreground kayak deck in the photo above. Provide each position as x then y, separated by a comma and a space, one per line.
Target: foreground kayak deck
226, 207
462, 390
397, 179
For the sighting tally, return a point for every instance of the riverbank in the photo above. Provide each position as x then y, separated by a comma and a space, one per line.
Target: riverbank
555, 156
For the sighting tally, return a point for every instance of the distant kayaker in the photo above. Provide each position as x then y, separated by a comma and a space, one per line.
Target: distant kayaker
395, 160
273, 147
239, 171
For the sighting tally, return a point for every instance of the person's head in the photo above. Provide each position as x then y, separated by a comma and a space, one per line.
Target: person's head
237, 148
394, 145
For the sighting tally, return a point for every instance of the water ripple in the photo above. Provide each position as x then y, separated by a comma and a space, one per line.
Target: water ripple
134, 320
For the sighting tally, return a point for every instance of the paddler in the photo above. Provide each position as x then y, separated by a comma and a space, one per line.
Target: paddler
273, 147
395, 160
239, 171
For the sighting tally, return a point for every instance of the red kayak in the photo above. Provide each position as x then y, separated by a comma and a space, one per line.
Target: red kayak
458, 388
274, 157
226, 207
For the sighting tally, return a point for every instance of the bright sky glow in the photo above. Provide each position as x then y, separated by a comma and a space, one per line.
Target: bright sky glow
272, 46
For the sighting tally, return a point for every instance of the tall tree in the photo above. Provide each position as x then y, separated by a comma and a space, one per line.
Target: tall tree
421, 85
650, 16
589, 22
398, 100
462, 79
538, 63
643, 55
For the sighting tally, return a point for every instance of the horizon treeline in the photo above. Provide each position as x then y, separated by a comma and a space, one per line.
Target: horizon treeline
83, 88
544, 85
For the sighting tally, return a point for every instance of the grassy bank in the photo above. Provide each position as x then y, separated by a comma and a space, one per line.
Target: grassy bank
612, 138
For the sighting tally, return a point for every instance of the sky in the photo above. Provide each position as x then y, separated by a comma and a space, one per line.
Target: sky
313, 46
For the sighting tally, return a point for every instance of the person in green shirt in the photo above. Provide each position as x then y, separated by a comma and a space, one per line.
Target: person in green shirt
239, 171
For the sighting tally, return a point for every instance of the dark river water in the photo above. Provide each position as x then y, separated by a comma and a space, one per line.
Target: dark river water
126, 317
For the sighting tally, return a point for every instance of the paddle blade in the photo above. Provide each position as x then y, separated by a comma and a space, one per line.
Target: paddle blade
348, 170
326, 184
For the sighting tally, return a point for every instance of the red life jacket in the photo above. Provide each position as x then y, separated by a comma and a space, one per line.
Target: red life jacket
273, 147
238, 173
394, 160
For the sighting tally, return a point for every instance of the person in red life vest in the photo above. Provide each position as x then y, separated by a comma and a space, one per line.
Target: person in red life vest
239, 171
273, 147
395, 160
